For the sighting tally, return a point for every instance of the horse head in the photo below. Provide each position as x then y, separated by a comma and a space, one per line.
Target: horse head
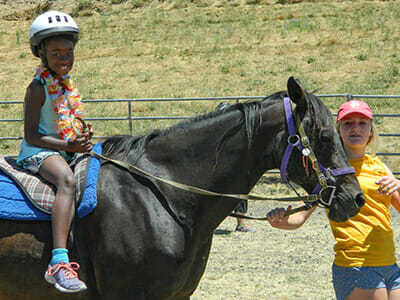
340, 191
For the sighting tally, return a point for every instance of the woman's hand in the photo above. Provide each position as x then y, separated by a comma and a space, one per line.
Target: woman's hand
388, 185
277, 218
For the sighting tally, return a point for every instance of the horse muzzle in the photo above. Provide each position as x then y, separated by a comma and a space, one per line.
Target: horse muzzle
345, 205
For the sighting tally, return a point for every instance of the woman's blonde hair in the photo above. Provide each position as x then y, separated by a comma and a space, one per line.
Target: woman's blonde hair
372, 144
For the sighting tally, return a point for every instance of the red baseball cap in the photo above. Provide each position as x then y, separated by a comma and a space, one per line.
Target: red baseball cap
354, 107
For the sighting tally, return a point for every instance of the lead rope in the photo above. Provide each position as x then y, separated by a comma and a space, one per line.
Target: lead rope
133, 169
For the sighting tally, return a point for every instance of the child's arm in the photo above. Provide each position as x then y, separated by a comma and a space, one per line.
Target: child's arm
34, 99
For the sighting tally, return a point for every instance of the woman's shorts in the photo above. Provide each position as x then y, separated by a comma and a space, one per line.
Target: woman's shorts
34, 162
345, 279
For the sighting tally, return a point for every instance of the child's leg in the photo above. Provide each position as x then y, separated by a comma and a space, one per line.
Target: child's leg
61, 272
56, 170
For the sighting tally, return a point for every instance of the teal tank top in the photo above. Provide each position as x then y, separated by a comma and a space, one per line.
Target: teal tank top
47, 126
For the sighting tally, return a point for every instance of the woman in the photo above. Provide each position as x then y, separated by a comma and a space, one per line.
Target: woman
365, 265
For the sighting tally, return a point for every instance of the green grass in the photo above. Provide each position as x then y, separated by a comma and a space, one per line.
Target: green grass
150, 49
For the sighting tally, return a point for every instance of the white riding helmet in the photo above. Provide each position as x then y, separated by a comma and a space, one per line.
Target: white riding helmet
51, 23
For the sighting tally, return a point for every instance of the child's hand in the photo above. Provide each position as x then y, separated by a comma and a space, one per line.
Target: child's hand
83, 141
90, 130
81, 144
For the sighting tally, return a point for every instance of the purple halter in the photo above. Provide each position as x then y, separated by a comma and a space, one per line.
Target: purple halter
301, 142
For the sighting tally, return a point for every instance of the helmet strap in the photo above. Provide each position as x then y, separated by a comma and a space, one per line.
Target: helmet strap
42, 54
43, 57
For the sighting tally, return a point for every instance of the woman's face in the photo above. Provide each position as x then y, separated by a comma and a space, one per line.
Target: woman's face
60, 55
355, 131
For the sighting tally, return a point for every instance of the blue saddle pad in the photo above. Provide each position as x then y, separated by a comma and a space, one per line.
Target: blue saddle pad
16, 205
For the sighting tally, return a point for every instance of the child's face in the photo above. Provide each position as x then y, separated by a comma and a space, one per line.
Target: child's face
60, 55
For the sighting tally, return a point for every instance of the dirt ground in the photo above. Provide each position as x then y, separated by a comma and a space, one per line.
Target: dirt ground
270, 263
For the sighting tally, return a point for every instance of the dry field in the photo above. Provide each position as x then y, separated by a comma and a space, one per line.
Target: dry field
273, 264
200, 48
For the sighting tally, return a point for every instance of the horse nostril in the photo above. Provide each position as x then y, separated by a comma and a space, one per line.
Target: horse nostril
360, 200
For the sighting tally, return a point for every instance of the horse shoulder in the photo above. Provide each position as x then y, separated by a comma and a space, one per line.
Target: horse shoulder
130, 213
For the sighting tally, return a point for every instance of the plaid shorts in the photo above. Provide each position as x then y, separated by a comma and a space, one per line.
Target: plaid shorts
345, 280
34, 162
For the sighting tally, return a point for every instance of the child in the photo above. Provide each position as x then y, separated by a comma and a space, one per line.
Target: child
50, 143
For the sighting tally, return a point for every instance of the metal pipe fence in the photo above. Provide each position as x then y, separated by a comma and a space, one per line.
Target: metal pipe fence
131, 119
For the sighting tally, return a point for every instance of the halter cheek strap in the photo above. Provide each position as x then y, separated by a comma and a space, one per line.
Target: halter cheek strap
301, 142
293, 139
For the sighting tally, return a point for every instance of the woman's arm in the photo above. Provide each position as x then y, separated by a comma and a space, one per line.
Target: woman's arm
277, 219
390, 186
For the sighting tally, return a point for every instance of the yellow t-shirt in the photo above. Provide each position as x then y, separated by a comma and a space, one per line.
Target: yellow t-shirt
367, 238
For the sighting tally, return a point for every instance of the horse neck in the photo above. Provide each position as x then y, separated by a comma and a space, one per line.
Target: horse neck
210, 152
201, 154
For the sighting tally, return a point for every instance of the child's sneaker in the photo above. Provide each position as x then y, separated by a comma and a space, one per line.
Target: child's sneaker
64, 277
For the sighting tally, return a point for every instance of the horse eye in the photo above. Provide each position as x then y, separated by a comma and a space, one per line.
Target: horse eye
325, 136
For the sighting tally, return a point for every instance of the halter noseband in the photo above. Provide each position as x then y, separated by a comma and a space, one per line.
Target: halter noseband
302, 143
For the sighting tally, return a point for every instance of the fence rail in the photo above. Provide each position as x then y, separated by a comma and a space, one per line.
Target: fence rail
130, 118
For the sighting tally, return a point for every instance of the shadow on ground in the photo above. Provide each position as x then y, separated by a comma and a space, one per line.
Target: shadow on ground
222, 232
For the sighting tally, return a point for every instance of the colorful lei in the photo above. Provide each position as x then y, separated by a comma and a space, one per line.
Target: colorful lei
65, 99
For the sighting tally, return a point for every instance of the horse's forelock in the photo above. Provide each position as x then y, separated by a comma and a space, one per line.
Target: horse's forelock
319, 120
320, 112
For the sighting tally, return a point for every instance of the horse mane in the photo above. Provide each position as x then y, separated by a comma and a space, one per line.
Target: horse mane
121, 145
317, 108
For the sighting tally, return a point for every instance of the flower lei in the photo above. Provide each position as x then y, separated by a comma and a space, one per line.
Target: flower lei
65, 99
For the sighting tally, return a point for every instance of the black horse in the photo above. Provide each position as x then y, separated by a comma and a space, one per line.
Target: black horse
150, 240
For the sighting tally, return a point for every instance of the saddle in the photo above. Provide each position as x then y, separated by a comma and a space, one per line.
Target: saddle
27, 196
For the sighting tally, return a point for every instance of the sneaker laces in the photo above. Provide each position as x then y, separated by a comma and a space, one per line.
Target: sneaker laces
68, 269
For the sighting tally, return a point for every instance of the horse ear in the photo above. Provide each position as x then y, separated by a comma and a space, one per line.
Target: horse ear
297, 93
